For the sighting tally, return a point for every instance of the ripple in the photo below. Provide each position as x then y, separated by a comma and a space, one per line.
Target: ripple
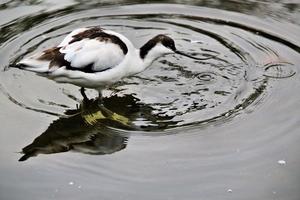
176, 91
279, 70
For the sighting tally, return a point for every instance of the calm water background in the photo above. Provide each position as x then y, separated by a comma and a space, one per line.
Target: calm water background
224, 128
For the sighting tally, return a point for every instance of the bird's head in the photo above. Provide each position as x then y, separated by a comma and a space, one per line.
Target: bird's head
158, 46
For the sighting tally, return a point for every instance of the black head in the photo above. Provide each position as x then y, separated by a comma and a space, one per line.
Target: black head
163, 39
166, 41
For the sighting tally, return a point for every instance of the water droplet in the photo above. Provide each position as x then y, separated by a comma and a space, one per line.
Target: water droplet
281, 162
71, 183
229, 190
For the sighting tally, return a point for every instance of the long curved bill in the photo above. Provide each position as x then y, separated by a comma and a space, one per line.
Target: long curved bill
189, 56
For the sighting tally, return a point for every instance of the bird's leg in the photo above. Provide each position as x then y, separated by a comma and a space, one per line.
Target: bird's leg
100, 98
82, 91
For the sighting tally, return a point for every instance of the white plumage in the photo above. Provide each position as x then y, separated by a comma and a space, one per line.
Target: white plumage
85, 52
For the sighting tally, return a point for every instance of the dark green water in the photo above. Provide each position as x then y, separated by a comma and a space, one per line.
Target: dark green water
224, 128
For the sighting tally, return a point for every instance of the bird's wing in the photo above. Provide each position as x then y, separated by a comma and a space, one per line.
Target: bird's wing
92, 55
69, 37
85, 49
92, 50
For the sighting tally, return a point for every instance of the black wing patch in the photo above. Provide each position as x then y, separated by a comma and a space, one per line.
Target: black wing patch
97, 33
55, 57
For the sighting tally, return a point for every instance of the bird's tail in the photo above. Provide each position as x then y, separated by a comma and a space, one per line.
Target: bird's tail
31, 65
16, 65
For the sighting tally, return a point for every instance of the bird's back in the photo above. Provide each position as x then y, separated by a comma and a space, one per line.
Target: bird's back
86, 49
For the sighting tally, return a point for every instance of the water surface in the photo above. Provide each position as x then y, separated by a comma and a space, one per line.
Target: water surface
222, 128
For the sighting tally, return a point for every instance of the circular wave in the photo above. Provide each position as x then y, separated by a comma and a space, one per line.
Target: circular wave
175, 91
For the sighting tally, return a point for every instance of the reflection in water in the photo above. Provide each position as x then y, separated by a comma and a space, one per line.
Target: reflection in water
82, 132
239, 110
57, 139
86, 129
175, 93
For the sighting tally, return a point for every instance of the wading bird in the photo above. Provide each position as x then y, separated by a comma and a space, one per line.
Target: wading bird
95, 58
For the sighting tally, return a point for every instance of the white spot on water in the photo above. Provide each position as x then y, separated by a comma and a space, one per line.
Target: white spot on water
229, 190
71, 183
281, 162
195, 41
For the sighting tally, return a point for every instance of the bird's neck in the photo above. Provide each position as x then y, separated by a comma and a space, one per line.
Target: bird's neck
146, 61
145, 56
149, 53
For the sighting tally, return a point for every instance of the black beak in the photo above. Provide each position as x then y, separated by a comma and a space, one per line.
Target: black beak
189, 56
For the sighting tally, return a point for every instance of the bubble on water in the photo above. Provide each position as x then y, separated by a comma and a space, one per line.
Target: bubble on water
71, 183
281, 162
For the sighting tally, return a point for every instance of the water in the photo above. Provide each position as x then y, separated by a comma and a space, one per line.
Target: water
223, 128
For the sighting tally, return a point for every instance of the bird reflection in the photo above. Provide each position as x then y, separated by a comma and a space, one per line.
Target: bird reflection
83, 131
87, 129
